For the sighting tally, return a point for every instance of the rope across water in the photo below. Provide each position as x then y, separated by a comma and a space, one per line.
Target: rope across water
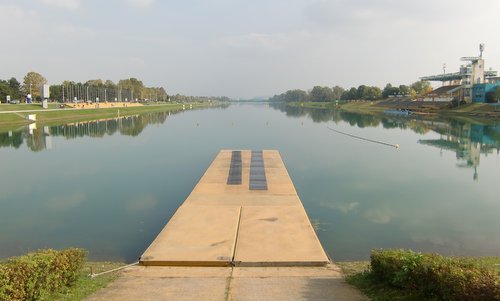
365, 139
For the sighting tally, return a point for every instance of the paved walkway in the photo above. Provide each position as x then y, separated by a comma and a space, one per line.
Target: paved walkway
230, 283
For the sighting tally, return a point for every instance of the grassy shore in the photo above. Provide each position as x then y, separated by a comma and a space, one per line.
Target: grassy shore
358, 274
25, 107
86, 286
475, 110
12, 120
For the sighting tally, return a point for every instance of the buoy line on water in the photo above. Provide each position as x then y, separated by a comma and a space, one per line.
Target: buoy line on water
365, 139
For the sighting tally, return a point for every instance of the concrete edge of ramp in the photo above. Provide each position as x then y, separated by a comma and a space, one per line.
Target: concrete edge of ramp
177, 263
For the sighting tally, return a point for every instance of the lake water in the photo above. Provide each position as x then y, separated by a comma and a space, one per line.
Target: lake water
111, 186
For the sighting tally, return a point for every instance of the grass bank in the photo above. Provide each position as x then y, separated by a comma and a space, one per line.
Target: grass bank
12, 120
354, 106
429, 272
25, 106
475, 110
85, 286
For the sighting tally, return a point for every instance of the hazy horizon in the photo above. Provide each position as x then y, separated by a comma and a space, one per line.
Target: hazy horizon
244, 49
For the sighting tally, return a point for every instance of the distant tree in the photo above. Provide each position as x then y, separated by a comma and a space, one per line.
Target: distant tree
4, 90
337, 92
10, 88
278, 98
15, 88
95, 83
132, 84
421, 87
413, 93
56, 92
373, 93
33, 82
363, 92
109, 84
163, 96
321, 94
389, 90
296, 95
350, 94
67, 83
404, 90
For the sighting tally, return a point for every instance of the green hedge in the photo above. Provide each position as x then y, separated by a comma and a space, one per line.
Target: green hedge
37, 275
434, 276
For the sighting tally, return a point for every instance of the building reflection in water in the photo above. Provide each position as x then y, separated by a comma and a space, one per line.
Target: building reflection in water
469, 141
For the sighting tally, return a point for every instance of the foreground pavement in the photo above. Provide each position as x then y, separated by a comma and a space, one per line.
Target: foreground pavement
230, 283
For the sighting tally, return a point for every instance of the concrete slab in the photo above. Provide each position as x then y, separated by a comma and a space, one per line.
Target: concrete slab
292, 288
328, 271
209, 283
177, 272
277, 236
196, 236
160, 289
274, 227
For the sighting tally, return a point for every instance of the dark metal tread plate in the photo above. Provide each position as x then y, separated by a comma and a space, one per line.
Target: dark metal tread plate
258, 179
234, 176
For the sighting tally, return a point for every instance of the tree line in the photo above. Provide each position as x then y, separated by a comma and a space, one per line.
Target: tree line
363, 92
33, 83
96, 89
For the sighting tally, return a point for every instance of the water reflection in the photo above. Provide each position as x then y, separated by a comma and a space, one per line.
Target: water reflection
469, 141
113, 194
39, 138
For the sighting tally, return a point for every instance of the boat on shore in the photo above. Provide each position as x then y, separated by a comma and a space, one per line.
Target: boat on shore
398, 112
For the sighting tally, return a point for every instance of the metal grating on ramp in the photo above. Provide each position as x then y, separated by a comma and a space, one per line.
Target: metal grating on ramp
257, 172
234, 177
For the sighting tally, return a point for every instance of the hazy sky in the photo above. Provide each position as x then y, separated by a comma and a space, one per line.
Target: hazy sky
244, 48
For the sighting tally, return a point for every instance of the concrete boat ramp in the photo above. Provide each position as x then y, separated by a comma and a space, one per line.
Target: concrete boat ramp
243, 212
242, 234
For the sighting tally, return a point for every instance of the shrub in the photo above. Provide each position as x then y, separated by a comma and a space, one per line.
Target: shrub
37, 275
434, 276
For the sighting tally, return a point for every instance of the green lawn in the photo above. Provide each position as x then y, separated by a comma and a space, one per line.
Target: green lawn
9, 121
25, 106
86, 286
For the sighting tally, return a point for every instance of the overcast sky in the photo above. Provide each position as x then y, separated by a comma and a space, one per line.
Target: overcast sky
244, 48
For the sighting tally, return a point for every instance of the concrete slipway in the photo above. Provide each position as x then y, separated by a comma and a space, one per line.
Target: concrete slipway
222, 225
230, 242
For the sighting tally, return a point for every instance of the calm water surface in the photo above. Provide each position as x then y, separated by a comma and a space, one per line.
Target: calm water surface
111, 186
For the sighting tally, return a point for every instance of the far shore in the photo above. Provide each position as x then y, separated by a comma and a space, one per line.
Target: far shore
14, 116
474, 110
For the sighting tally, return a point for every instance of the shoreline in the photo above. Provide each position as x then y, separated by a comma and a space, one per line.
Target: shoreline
13, 119
483, 111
